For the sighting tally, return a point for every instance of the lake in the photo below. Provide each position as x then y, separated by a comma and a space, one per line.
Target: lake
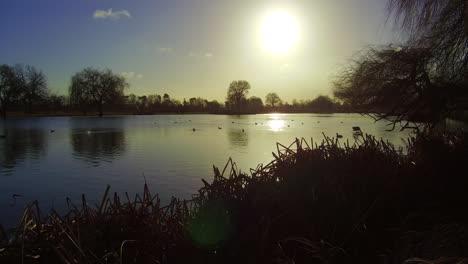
50, 158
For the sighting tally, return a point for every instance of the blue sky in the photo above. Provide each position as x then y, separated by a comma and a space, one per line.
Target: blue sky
190, 48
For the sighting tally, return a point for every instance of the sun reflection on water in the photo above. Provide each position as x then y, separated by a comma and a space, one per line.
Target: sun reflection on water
276, 125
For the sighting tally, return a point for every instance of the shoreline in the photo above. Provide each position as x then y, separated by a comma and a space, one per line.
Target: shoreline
76, 114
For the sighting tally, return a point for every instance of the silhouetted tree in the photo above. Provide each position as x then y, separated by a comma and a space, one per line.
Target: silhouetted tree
78, 92
56, 102
423, 80
166, 98
33, 85
272, 99
196, 104
255, 104
154, 99
236, 94
132, 99
438, 25
299, 106
176, 105
166, 102
321, 104
93, 86
213, 107
9, 88
142, 104
401, 85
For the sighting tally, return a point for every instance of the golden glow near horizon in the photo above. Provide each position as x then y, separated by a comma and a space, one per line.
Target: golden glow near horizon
279, 32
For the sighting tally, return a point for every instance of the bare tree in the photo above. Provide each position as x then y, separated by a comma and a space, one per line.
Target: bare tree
237, 94
9, 88
93, 86
423, 80
272, 99
34, 85
400, 84
439, 25
78, 93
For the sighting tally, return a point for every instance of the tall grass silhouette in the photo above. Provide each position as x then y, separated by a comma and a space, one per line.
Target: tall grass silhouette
316, 202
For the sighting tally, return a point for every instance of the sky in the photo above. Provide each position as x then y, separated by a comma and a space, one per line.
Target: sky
191, 48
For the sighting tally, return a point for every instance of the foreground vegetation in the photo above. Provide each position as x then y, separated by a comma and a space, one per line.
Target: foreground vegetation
315, 203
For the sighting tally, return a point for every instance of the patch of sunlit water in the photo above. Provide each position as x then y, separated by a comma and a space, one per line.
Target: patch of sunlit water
276, 124
274, 115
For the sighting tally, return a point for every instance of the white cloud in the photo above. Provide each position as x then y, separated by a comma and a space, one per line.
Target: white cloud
207, 55
103, 14
131, 75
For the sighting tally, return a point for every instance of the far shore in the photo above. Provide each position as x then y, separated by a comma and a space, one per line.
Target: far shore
114, 113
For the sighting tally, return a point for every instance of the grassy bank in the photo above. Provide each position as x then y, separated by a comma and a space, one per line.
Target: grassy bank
317, 202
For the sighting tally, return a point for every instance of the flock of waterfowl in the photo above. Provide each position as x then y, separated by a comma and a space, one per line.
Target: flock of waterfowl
356, 129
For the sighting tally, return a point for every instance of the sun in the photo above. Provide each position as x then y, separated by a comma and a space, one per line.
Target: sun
279, 32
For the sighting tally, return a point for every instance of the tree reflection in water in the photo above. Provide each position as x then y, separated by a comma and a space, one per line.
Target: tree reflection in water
97, 145
238, 138
19, 144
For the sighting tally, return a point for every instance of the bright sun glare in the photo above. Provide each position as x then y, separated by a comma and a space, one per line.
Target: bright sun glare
279, 32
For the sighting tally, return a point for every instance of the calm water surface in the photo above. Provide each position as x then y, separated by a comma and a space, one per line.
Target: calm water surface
84, 154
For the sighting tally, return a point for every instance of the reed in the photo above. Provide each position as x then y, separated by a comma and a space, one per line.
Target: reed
316, 202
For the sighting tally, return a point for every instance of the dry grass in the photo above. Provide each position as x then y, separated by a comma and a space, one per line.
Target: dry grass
314, 203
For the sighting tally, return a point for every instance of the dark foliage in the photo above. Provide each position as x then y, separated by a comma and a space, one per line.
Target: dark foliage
93, 87
21, 85
236, 96
425, 79
400, 84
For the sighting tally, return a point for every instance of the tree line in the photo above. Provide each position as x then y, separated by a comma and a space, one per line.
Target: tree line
21, 85
238, 103
24, 88
155, 103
